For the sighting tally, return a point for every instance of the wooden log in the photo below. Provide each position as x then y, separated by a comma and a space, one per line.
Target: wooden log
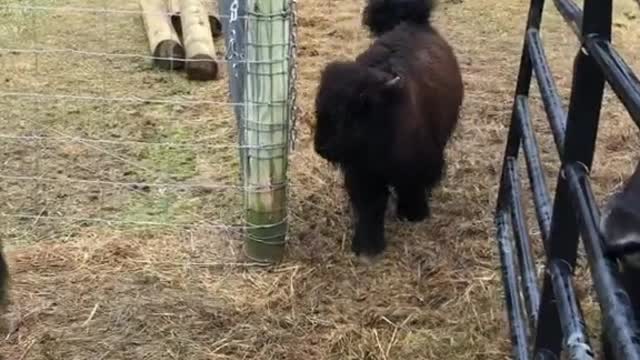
214, 21
164, 43
198, 41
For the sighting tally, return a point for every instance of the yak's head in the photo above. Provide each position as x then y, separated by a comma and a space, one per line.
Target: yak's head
620, 223
353, 109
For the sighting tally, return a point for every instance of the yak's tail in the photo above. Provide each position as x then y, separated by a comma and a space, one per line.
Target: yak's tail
381, 16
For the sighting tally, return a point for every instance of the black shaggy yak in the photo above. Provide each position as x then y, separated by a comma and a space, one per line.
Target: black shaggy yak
386, 118
620, 223
620, 226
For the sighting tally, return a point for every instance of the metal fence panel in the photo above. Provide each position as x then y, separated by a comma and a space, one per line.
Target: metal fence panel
557, 326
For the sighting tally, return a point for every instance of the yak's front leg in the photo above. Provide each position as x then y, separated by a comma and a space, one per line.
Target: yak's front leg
413, 202
369, 201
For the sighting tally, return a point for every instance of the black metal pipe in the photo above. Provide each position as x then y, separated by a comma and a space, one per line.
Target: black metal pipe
571, 14
562, 244
582, 128
548, 90
618, 74
525, 72
519, 338
523, 84
576, 340
541, 198
617, 313
510, 283
523, 244
584, 111
597, 18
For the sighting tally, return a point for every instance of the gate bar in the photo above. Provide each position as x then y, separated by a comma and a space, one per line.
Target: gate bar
537, 179
550, 97
510, 283
616, 71
618, 74
576, 340
571, 14
528, 277
560, 325
616, 310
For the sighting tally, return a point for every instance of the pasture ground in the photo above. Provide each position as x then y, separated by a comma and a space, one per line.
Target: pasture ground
84, 289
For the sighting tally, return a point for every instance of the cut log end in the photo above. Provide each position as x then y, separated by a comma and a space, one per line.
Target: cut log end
172, 55
203, 69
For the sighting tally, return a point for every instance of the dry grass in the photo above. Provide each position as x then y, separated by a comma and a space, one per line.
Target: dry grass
83, 290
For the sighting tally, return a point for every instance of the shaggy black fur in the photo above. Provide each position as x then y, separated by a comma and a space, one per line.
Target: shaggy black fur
620, 225
381, 16
386, 118
620, 222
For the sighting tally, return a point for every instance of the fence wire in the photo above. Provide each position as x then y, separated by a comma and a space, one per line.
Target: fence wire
93, 138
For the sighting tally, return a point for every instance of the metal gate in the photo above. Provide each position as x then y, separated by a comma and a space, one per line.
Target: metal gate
547, 322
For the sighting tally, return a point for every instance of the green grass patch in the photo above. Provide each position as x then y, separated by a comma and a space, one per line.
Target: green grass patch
18, 24
168, 208
171, 164
176, 163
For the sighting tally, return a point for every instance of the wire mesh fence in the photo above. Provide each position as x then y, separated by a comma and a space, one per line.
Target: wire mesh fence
94, 139
264, 77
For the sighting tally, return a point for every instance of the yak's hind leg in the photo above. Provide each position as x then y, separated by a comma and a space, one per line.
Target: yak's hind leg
369, 200
412, 202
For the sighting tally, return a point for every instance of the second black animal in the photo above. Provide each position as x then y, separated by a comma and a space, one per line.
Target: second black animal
386, 118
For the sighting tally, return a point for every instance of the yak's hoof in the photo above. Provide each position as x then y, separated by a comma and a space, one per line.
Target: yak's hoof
370, 246
413, 212
368, 260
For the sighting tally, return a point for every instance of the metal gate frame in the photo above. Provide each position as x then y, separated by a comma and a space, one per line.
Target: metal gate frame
547, 322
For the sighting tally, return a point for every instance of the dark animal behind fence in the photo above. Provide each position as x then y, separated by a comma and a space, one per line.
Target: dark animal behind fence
387, 117
620, 226
4, 280
620, 222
